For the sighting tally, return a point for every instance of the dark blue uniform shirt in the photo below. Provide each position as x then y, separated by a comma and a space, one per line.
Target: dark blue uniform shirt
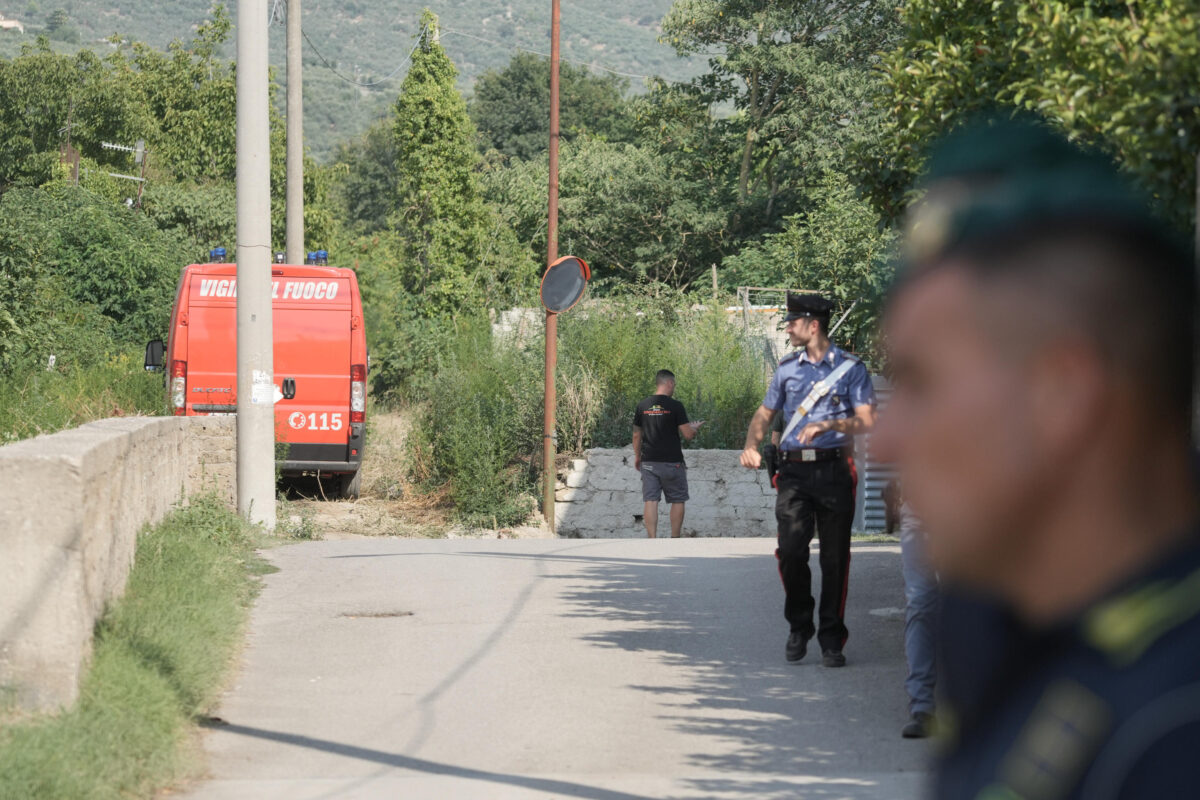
1105, 707
795, 377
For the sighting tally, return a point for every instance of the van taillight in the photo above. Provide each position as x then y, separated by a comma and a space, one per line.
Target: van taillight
358, 393
178, 387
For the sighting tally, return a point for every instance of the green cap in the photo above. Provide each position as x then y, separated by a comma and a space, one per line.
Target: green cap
994, 175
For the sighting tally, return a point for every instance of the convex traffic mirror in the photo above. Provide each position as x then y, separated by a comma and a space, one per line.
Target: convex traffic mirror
564, 283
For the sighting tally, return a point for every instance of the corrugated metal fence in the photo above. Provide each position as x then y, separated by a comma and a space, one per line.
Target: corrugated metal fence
869, 515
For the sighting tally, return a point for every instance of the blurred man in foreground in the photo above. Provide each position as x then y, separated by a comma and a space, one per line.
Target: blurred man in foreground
1041, 341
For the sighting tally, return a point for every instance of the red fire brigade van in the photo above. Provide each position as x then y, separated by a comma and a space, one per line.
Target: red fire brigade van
320, 361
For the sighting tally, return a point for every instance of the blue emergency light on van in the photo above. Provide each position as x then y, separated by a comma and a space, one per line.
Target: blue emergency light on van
323, 258
310, 257
216, 255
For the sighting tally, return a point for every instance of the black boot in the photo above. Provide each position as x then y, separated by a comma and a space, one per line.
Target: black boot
832, 658
919, 727
797, 646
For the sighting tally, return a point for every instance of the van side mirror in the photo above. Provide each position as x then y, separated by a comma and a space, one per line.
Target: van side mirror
154, 355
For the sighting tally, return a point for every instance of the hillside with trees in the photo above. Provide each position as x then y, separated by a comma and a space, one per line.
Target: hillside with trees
356, 58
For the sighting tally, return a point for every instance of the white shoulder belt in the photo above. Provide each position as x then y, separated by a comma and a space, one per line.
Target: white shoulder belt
818, 391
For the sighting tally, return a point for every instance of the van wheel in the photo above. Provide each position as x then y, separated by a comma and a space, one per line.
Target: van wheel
349, 486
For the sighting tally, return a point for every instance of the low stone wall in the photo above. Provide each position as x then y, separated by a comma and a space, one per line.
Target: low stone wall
71, 507
212, 458
602, 497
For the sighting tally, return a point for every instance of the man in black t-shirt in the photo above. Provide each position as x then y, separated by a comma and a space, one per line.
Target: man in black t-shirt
658, 452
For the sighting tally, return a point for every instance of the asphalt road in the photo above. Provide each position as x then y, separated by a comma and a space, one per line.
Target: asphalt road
608, 670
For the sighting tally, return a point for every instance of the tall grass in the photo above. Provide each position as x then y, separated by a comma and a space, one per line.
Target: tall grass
478, 431
36, 400
719, 373
160, 654
480, 428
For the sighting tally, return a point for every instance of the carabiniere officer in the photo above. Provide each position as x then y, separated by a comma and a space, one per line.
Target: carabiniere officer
826, 396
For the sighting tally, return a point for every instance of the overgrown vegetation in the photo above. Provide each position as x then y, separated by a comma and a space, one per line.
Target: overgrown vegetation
37, 399
478, 431
86, 277
160, 655
84, 283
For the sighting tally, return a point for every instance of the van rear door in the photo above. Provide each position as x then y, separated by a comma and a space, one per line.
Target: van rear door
211, 321
312, 365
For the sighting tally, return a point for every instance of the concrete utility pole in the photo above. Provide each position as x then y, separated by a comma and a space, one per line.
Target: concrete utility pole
295, 137
549, 472
255, 338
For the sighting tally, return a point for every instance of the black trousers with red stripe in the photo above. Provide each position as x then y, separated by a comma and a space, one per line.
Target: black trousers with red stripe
816, 497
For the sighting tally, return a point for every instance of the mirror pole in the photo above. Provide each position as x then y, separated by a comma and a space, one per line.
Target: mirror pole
549, 472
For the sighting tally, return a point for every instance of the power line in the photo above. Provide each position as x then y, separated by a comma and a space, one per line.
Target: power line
355, 82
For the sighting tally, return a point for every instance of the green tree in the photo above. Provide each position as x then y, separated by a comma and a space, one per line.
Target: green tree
1119, 75
181, 102
79, 273
511, 107
835, 248
447, 255
56, 19
440, 212
795, 72
48, 99
369, 184
191, 93
622, 208
205, 212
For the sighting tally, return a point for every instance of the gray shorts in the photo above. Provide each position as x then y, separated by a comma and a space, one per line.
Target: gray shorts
662, 478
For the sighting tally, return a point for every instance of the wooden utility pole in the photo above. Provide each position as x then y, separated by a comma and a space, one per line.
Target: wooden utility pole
549, 449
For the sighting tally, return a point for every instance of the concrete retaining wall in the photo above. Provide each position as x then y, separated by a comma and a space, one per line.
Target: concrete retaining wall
602, 497
71, 506
212, 458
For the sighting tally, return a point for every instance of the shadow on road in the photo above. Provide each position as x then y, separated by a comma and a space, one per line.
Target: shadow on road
719, 621
752, 726
426, 766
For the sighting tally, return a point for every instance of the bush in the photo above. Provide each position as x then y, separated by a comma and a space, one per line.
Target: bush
78, 272
720, 376
480, 428
204, 212
86, 281
479, 423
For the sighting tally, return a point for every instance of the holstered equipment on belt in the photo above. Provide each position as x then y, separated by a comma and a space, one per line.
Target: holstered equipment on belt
771, 459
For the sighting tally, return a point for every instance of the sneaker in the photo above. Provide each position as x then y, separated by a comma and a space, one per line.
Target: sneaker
832, 658
919, 727
797, 646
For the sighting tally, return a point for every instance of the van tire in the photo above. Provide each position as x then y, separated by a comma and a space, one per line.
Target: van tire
349, 486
